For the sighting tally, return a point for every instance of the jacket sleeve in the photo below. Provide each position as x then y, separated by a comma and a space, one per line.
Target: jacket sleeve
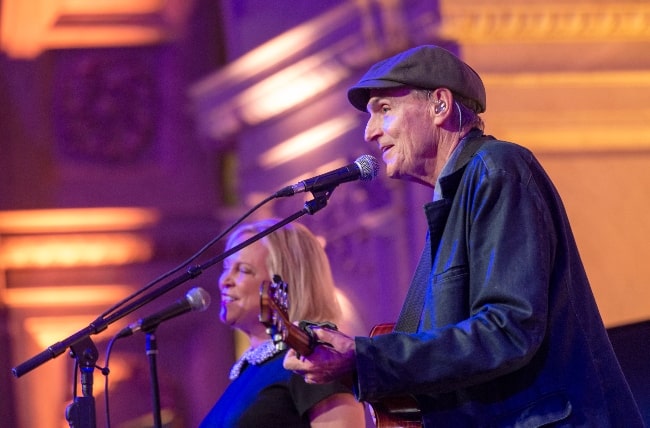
486, 308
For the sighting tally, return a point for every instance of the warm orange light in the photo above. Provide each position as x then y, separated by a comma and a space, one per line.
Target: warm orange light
48, 330
65, 296
27, 27
289, 87
107, 7
76, 220
585, 128
57, 238
307, 141
266, 56
73, 250
277, 76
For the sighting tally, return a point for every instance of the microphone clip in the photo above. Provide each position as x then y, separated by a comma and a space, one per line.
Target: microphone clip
319, 202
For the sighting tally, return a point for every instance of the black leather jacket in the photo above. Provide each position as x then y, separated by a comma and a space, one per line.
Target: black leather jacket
510, 334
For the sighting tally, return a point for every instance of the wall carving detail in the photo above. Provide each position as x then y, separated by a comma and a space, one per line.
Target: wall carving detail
105, 107
478, 21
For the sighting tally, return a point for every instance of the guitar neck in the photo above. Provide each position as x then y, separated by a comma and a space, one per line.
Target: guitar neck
297, 340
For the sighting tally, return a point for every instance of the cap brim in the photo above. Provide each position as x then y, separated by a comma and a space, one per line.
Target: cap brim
359, 95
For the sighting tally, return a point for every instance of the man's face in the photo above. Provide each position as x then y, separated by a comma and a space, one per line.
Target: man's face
401, 124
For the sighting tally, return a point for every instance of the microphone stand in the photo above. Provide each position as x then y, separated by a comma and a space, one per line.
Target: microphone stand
81, 413
83, 348
151, 350
152, 353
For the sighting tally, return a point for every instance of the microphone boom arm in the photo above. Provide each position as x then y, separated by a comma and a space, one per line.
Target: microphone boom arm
101, 324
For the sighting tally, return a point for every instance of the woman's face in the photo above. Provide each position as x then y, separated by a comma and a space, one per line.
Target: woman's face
239, 284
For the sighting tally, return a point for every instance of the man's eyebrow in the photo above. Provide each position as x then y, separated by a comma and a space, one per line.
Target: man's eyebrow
376, 99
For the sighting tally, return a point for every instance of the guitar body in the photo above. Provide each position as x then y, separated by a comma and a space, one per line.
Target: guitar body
398, 412
394, 412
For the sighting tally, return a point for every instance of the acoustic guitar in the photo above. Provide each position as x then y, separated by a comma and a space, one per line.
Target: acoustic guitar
395, 412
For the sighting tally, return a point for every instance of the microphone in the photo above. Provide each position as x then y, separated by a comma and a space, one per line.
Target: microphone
197, 299
365, 168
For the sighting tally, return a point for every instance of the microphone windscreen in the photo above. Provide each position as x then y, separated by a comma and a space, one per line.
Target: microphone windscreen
369, 167
198, 298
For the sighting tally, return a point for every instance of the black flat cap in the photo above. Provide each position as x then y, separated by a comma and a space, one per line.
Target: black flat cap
426, 67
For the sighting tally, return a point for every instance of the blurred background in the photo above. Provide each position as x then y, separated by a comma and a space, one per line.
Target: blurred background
134, 132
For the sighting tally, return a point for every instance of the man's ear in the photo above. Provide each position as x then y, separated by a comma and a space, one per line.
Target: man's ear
441, 98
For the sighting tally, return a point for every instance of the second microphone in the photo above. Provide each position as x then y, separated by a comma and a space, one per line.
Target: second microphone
197, 299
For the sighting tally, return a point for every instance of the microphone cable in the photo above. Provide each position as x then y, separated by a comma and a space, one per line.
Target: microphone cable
105, 372
184, 264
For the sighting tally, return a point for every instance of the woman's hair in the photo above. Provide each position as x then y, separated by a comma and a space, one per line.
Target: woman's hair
300, 259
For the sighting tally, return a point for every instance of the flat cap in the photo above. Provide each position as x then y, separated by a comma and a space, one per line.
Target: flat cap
426, 67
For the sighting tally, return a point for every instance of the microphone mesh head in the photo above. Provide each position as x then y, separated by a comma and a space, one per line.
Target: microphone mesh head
198, 298
369, 167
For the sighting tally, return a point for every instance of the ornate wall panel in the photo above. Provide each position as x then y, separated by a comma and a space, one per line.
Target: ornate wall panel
548, 21
559, 74
94, 117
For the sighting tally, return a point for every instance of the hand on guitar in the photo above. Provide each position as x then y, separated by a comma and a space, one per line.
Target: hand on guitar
331, 361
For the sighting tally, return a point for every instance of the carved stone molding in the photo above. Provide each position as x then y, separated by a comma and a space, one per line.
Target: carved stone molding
314, 57
478, 21
558, 73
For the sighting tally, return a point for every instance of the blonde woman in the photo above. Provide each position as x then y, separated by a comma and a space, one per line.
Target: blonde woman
262, 393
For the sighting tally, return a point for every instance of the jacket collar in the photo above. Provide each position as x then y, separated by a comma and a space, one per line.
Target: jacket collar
449, 183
